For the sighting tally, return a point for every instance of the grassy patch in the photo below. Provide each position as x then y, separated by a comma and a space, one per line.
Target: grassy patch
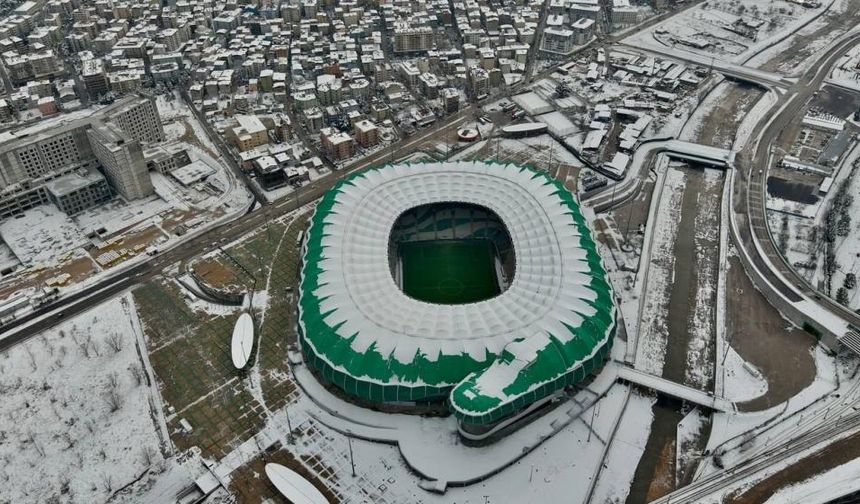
449, 271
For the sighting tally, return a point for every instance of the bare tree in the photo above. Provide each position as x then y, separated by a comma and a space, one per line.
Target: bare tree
31, 438
114, 341
65, 484
113, 400
112, 397
31, 357
113, 380
136, 374
107, 482
147, 455
83, 344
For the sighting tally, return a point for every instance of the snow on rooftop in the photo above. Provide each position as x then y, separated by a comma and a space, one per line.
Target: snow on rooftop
354, 295
41, 234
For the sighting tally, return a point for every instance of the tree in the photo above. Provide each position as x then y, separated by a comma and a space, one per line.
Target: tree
850, 281
842, 296
114, 341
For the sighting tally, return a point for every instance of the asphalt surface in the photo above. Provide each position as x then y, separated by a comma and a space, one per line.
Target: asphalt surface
112, 284
750, 185
749, 201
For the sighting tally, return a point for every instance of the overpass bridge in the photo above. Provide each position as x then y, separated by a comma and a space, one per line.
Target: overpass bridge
629, 185
689, 151
673, 389
734, 71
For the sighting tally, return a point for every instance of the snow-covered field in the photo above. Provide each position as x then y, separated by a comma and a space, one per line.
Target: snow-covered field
651, 352
715, 28
845, 73
743, 381
119, 214
823, 488
76, 423
626, 449
700, 352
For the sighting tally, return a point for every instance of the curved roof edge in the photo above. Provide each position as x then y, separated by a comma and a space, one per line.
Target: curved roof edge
524, 371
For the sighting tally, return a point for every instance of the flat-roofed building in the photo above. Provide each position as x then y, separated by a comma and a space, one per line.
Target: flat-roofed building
250, 133
78, 191
336, 144
122, 161
557, 40
412, 39
366, 133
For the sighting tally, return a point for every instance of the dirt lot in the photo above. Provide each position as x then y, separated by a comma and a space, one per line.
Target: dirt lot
251, 486
78, 269
764, 339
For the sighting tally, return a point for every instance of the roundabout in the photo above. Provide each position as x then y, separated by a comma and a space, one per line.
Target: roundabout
468, 283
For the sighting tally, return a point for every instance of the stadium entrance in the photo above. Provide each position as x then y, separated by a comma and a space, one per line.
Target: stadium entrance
451, 253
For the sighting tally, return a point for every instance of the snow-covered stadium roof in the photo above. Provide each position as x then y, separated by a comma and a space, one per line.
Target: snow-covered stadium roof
550, 328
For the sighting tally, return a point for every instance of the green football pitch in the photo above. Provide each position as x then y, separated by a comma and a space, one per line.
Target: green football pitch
449, 271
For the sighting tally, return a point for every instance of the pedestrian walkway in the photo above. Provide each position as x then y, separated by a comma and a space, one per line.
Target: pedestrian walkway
673, 389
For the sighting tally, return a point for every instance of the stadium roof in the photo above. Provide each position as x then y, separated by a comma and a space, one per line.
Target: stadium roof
550, 328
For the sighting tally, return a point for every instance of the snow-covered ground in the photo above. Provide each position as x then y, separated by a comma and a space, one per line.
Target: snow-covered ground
845, 73
741, 435
41, 235
76, 423
822, 488
700, 350
626, 449
803, 241
816, 34
711, 28
120, 214
743, 381
651, 351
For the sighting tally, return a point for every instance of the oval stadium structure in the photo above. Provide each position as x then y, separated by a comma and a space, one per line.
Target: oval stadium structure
472, 282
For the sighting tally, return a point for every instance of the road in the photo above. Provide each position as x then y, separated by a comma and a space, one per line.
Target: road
749, 204
750, 185
78, 302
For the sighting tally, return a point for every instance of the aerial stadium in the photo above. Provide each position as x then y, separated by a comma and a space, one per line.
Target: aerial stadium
471, 284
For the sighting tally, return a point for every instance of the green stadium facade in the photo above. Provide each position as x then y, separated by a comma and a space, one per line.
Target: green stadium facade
490, 360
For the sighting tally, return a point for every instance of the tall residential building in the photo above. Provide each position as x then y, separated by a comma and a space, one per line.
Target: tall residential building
94, 78
31, 158
557, 40
583, 30
366, 133
336, 144
122, 161
139, 118
408, 39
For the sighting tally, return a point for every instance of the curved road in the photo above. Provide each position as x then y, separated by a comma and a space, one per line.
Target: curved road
754, 236
748, 194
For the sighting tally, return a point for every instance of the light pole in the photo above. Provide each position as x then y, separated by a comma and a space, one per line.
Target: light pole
351, 459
